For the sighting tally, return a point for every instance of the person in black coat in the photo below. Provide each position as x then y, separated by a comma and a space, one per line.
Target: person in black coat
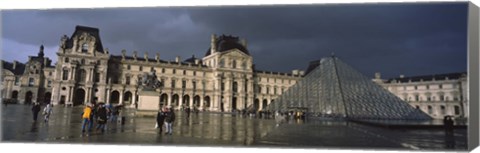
101, 115
160, 119
35, 109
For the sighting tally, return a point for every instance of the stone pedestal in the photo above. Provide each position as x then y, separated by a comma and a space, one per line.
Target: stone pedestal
148, 103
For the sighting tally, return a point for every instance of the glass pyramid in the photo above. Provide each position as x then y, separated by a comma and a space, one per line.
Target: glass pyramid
334, 89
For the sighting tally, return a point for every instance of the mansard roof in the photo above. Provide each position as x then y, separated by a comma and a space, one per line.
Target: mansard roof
192, 60
90, 30
225, 43
19, 68
450, 76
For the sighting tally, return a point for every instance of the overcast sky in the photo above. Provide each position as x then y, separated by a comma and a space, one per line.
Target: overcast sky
394, 39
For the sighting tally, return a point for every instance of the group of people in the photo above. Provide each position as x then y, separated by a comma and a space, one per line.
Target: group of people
100, 113
47, 111
166, 116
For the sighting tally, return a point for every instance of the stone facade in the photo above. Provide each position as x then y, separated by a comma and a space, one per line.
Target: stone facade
437, 95
224, 80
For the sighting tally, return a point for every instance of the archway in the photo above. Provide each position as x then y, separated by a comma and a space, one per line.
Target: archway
256, 105
15, 94
79, 97
186, 100
115, 97
127, 97
163, 100
264, 104
47, 98
196, 101
28, 97
175, 100
206, 102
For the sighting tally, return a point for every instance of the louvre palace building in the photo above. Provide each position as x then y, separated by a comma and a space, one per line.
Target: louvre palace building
225, 79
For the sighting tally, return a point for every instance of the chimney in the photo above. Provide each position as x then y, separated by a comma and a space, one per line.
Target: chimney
135, 55
123, 54
177, 59
197, 61
14, 64
402, 76
157, 57
244, 43
213, 46
378, 75
295, 72
145, 55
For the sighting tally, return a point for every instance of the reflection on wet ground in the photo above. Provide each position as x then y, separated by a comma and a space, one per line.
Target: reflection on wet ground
214, 129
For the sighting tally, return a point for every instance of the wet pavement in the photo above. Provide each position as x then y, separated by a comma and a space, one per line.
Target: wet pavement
215, 129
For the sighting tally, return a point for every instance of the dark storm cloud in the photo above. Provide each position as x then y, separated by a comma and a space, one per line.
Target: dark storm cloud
394, 39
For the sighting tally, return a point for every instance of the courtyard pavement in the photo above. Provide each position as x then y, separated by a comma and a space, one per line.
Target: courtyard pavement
216, 129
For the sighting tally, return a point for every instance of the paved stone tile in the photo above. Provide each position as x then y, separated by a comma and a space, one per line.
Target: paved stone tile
215, 129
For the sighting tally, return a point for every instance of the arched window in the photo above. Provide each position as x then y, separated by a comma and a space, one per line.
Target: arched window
84, 47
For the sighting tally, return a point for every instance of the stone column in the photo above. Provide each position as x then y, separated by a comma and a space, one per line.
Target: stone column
70, 95
134, 98
180, 100
169, 100
9, 89
191, 101
201, 102
108, 96
121, 96
87, 96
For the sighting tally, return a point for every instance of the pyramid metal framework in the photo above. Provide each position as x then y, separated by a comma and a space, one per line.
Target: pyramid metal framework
335, 89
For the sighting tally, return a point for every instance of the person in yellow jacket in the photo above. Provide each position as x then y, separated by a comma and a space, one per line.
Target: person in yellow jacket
87, 111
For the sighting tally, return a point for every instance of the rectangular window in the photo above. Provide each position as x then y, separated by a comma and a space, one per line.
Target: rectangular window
440, 86
274, 91
417, 98
457, 110
428, 87
49, 83
65, 75
415, 87
140, 68
128, 67
194, 73
97, 77
222, 86
194, 85
184, 84
31, 82
163, 70
173, 83
184, 72
49, 73
174, 71
17, 80
127, 80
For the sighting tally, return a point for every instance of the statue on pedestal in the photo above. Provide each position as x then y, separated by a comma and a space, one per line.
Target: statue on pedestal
150, 82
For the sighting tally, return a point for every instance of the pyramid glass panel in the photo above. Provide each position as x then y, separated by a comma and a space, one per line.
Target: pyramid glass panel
334, 89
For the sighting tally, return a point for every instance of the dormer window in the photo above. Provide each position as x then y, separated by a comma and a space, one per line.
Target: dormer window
84, 47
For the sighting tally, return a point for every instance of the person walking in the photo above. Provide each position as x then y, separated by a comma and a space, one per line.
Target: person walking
35, 109
101, 118
169, 119
187, 110
47, 111
160, 119
87, 113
